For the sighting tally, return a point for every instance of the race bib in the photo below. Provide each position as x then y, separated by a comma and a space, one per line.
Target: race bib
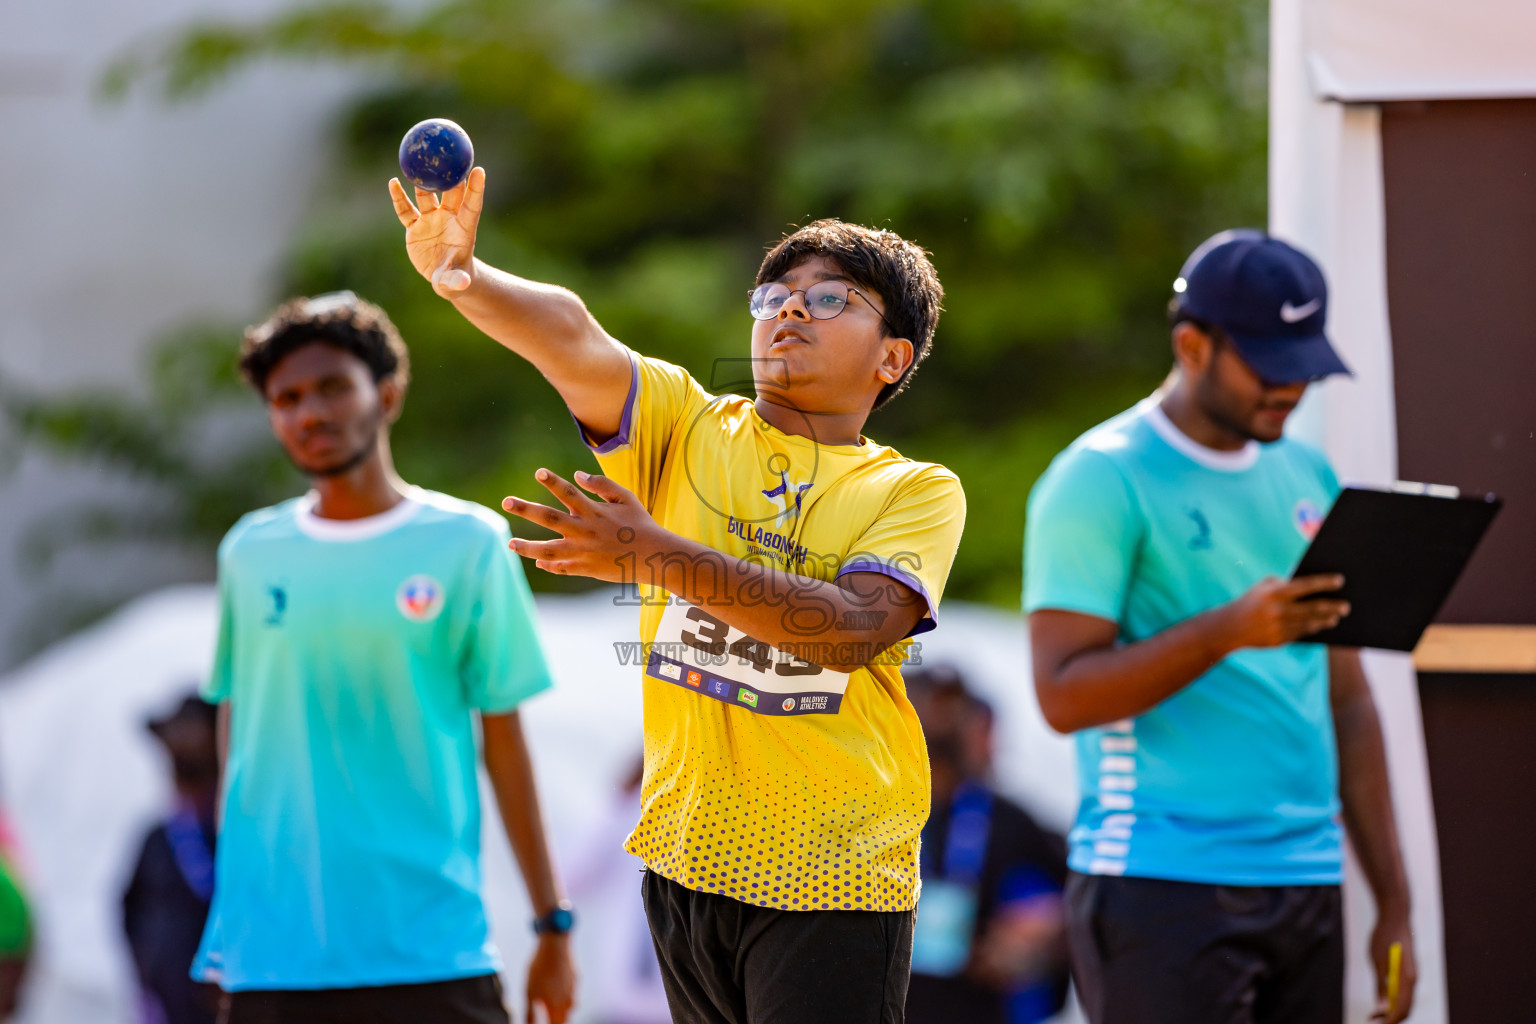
699, 652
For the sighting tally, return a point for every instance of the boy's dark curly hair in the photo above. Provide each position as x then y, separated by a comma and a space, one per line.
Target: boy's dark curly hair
877, 260
339, 319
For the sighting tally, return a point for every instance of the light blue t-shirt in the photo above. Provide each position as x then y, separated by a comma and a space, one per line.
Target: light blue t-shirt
1234, 779
353, 654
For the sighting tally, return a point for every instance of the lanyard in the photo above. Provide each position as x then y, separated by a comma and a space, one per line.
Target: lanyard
969, 827
193, 858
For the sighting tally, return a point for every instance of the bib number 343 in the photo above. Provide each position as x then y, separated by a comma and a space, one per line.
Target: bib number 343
699, 652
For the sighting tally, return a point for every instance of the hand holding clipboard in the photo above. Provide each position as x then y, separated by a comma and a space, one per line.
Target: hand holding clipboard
1276, 612
1400, 552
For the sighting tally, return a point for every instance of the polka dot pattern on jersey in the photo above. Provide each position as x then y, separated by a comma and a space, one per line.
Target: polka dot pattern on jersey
770, 827
741, 797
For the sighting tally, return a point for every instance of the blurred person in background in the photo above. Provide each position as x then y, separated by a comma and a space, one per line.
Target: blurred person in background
990, 941
166, 904
1218, 753
365, 628
15, 925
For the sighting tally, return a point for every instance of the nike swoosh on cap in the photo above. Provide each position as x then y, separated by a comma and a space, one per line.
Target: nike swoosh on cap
1291, 314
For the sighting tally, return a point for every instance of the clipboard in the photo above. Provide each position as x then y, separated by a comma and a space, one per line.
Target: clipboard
1400, 552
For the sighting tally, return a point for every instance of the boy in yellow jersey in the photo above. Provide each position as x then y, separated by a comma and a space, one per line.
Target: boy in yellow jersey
784, 563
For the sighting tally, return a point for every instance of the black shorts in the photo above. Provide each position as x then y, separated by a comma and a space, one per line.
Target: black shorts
728, 962
475, 1000
1148, 951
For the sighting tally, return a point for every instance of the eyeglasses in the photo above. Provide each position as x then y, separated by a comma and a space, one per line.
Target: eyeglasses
823, 300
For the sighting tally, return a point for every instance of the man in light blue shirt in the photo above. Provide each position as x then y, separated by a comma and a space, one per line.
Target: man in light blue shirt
1216, 753
364, 627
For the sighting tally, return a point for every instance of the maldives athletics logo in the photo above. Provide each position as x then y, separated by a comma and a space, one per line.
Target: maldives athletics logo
420, 598
1309, 518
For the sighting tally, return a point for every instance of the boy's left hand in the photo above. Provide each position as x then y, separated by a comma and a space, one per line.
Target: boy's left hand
595, 536
551, 979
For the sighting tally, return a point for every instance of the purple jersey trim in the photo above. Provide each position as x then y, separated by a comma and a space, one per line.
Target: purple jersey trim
924, 624
626, 422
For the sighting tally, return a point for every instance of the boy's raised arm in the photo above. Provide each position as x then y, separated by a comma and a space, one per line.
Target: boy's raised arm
545, 324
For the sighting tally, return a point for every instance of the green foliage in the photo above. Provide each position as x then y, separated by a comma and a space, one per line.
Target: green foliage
1058, 158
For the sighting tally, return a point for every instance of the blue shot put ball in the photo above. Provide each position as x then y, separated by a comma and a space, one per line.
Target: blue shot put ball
436, 155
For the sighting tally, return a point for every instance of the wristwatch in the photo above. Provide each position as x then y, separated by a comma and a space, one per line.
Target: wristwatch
557, 922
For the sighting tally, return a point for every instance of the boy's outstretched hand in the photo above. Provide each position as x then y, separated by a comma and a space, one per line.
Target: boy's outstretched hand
440, 234
595, 536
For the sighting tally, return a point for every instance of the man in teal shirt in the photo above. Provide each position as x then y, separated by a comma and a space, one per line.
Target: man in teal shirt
1216, 753
364, 627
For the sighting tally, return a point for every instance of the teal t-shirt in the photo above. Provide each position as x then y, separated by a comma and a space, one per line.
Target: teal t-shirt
353, 654
1234, 779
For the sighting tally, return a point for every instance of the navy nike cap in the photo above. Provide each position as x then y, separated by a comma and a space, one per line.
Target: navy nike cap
1268, 297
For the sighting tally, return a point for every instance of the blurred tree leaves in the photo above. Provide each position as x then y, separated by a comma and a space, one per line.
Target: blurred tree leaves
1058, 158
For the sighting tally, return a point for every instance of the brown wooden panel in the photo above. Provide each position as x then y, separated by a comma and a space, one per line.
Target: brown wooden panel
1460, 189
1478, 733
1502, 649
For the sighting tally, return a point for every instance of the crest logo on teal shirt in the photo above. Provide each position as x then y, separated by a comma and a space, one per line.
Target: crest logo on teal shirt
420, 598
1309, 518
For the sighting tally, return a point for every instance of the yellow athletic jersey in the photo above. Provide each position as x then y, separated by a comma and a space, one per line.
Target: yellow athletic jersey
767, 777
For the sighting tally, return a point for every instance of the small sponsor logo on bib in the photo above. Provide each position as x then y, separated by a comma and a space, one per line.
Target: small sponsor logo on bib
1309, 518
420, 598
789, 704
